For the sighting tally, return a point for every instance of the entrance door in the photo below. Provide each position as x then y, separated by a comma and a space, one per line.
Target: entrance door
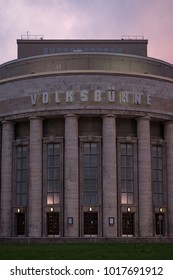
53, 223
20, 224
159, 224
128, 224
91, 223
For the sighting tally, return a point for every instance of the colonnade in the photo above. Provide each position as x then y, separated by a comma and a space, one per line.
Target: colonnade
71, 176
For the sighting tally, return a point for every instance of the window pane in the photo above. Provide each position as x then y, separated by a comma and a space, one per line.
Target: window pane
56, 198
124, 198
160, 149
159, 163
86, 173
130, 198
159, 175
124, 186
123, 161
50, 186
87, 160
123, 149
93, 148
24, 202
129, 161
50, 161
57, 161
129, 149
87, 148
94, 160
93, 198
123, 173
93, 173
57, 186
50, 198
56, 149
130, 186
129, 173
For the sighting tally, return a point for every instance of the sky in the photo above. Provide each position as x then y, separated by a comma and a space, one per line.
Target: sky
88, 19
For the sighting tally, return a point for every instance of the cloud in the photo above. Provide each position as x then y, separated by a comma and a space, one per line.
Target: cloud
68, 19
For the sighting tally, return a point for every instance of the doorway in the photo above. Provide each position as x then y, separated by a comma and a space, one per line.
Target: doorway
53, 223
159, 224
128, 224
91, 223
20, 224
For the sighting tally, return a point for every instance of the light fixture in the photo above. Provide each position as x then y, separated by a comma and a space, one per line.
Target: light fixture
128, 209
70, 220
90, 209
111, 220
51, 209
18, 210
160, 209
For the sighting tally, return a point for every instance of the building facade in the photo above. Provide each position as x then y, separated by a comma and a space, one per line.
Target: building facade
86, 140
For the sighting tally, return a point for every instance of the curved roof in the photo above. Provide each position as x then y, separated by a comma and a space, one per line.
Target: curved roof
85, 63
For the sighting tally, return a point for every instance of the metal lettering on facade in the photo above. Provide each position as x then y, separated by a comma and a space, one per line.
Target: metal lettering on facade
96, 96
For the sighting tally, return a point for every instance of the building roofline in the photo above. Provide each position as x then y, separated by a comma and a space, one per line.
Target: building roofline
110, 63
82, 41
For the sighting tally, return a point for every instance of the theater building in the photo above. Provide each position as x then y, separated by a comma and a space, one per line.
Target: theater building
86, 140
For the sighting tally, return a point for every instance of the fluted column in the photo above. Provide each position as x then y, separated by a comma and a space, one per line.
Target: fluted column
35, 177
169, 147
71, 175
6, 178
109, 176
144, 175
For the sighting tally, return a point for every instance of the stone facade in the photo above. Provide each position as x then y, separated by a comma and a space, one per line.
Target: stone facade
86, 147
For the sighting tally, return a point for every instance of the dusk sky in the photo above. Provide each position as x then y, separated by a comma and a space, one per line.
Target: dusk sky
88, 19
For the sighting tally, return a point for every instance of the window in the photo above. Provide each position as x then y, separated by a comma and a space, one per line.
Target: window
157, 175
127, 173
53, 174
45, 50
90, 173
21, 175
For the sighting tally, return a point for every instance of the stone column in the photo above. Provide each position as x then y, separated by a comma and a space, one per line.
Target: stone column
109, 176
169, 148
71, 204
6, 178
35, 178
144, 175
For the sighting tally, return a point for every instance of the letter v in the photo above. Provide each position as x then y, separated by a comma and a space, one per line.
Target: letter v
34, 98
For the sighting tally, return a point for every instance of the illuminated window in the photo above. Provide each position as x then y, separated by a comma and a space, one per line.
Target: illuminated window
127, 173
53, 174
21, 175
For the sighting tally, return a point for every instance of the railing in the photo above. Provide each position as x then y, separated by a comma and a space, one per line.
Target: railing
132, 37
32, 37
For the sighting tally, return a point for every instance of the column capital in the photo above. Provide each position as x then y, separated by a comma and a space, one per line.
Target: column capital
71, 115
3, 122
36, 118
168, 122
109, 116
143, 118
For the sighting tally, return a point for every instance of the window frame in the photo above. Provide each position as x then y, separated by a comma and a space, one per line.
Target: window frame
17, 144
97, 140
160, 143
46, 142
133, 142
